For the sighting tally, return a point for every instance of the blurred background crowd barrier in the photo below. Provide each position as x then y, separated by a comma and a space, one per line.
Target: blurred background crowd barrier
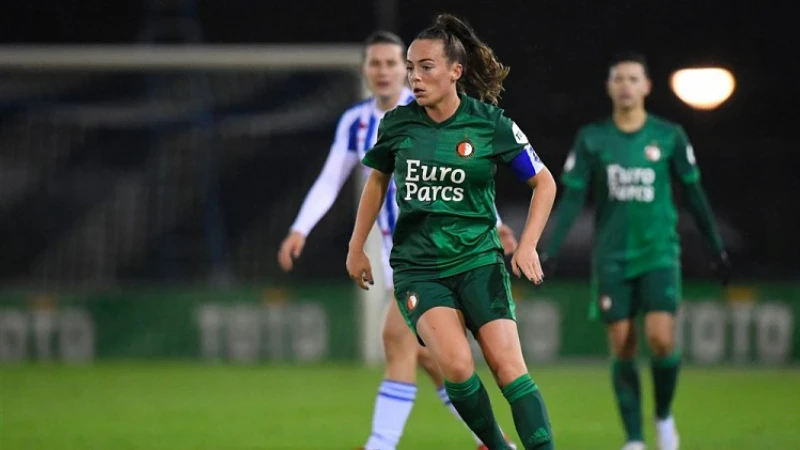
152, 158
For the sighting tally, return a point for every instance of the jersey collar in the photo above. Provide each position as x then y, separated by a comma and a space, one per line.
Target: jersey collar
463, 97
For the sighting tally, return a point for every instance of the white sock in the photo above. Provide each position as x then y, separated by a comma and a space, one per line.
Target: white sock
446, 400
392, 407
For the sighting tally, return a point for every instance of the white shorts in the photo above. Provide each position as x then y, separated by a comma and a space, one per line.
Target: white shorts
386, 250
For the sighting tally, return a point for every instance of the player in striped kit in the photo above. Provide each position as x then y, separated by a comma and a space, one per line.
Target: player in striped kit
356, 133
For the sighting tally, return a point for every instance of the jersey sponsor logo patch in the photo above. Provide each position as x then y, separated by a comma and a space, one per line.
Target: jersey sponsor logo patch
428, 183
412, 299
519, 136
465, 149
652, 152
406, 144
627, 184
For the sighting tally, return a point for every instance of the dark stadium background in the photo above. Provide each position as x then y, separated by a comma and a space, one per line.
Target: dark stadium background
141, 303
558, 51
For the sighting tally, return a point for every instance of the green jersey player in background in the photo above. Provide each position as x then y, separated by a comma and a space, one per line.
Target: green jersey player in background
627, 161
449, 274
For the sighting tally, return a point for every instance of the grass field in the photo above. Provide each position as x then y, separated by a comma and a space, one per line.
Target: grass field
185, 406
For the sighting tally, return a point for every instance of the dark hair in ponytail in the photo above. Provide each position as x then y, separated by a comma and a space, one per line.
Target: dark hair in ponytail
483, 72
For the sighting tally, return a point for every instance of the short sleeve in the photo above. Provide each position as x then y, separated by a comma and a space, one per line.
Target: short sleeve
577, 171
381, 156
683, 161
509, 140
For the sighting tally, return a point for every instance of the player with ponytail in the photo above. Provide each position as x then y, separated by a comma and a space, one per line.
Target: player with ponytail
449, 274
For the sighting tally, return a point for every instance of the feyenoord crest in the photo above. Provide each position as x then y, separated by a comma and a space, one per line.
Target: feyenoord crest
465, 149
411, 301
652, 152
605, 302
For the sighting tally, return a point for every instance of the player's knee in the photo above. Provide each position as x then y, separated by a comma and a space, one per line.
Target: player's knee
398, 342
509, 370
456, 366
623, 345
506, 362
624, 350
660, 344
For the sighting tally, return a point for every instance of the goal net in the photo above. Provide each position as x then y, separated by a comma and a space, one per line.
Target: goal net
134, 164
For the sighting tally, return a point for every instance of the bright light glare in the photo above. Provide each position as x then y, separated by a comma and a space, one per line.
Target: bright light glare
703, 88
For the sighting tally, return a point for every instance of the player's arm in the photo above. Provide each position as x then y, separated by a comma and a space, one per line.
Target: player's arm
544, 188
338, 166
372, 198
381, 159
513, 149
684, 166
575, 179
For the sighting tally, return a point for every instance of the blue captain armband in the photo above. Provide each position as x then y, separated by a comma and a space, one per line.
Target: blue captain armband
527, 164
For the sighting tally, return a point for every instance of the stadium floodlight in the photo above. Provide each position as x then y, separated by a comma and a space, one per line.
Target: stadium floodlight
703, 87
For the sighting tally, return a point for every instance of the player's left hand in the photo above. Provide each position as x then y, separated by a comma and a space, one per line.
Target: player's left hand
526, 261
722, 267
359, 268
507, 238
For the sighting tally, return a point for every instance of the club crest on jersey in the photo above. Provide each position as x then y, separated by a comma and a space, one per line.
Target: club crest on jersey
605, 303
411, 301
465, 149
652, 152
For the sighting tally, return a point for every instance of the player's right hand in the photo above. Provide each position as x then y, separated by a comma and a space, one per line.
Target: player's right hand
359, 268
291, 248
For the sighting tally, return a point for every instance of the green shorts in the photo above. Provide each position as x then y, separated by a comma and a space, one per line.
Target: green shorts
617, 298
482, 294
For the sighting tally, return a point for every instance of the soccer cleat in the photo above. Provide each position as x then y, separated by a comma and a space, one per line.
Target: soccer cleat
634, 445
667, 434
509, 442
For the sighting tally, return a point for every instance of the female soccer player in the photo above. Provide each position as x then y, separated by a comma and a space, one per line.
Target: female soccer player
447, 259
628, 159
384, 72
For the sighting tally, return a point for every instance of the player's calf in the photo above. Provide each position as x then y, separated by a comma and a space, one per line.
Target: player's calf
625, 379
442, 331
665, 364
500, 343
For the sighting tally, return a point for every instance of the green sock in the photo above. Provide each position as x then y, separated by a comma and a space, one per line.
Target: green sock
625, 378
665, 378
530, 414
472, 403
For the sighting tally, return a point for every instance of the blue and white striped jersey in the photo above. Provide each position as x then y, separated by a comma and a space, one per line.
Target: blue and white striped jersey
355, 135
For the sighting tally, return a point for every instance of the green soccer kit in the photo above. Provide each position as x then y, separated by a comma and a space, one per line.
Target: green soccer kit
446, 227
636, 252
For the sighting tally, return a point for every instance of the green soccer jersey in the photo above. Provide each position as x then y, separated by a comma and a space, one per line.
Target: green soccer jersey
444, 173
630, 173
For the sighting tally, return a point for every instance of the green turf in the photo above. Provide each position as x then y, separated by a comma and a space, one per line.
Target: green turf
174, 406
